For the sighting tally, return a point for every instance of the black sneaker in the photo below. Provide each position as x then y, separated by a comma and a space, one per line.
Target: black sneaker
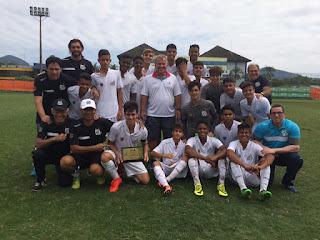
39, 185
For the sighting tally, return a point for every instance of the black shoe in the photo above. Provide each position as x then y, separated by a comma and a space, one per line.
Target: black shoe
39, 185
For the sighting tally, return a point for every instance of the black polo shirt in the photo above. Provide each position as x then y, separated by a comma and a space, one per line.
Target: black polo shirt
260, 83
74, 68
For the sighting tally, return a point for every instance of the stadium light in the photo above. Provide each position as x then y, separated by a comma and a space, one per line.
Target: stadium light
40, 12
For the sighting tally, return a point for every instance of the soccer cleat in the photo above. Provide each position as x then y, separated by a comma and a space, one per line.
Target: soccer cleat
160, 185
115, 183
264, 195
33, 173
290, 188
76, 183
101, 181
198, 189
222, 190
246, 193
168, 190
39, 185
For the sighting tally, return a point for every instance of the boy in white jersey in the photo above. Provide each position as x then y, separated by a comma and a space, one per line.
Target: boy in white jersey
171, 52
249, 166
77, 93
109, 84
125, 134
174, 161
137, 73
203, 160
198, 70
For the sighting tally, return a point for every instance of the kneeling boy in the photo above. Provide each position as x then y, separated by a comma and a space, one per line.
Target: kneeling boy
127, 134
203, 160
246, 167
174, 160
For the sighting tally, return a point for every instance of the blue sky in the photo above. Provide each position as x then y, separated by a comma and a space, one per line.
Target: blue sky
284, 34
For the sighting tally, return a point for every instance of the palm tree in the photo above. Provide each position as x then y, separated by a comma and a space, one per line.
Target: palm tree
236, 73
114, 66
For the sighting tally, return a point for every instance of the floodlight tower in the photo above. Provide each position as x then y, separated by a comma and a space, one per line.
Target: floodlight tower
40, 12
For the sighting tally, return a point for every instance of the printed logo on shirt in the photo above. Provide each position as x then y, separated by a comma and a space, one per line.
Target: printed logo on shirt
40, 129
284, 133
112, 83
101, 84
204, 113
249, 158
121, 139
257, 84
97, 131
135, 142
62, 87
82, 67
71, 135
268, 132
66, 130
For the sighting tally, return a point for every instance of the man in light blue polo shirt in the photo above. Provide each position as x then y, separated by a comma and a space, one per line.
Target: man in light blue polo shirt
281, 137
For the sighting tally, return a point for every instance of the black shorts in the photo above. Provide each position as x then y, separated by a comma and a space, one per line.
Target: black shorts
156, 124
85, 160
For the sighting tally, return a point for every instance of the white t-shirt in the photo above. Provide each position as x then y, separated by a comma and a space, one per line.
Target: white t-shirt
249, 155
129, 86
172, 69
120, 134
226, 136
161, 95
234, 102
190, 69
168, 146
107, 86
259, 109
75, 100
208, 148
185, 97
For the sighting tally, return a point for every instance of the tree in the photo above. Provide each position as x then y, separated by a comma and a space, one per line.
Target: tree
236, 73
114, 66
269, 72
96, 67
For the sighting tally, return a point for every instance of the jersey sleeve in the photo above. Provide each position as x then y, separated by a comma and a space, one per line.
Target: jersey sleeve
232, 146
258, 149
258, 132
191, 142
266, 105
119, 80
37, 87
107, 124
145, 90
160, 148
113, 134
222, 101
244, 112
176, 87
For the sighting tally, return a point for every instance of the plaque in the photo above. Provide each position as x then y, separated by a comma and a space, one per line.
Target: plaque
132, 154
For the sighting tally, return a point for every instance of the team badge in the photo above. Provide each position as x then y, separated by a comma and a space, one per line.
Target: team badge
71, 135
101, 84
66, 130
284, 133
59, 103
268, 132
190, 114
97, 131
40, 129
112, 83
121, 139
257, 84
82, 67
135, 142
204, 113
62, 87
249, 158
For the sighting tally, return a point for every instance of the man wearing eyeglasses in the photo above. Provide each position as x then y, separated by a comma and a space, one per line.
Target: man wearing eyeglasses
281, 137
261, 84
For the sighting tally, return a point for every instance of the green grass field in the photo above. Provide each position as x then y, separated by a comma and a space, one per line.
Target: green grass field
141, 212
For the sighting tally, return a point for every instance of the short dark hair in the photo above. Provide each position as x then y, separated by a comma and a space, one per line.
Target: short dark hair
181, 60
122, 56
85, 76
227, 107
138, 57
130, 106
75, 41
198, 63
178, 126
103, 52
171, 45
53, 59
192, 84
215, 70
277, 105
228, 79
202, 122
244, 126
246, 84
194, 46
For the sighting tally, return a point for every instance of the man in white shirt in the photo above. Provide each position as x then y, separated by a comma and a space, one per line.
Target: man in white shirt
249, 166
174, 161
171, 52
109, 84
127, 134
194, 53
162, 93
232, 96
253, 110
203, 160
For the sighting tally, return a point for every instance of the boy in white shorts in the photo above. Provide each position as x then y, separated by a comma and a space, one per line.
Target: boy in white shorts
203, 160
249, 166
125, 134
174, 161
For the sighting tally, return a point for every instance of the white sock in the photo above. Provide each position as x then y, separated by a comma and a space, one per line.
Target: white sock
237, 174
194, 169
160, 176
222, 171
178, 169
111, 169
264, 178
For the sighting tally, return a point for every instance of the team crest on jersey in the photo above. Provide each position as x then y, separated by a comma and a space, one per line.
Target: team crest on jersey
82, 67
135, 142
40, 129
190, 114
268, 132
97, 131
62, 87
66, 130
257, 84
112, 83
71, 135
204, 113
284, 133
121, 139
249, 158
101, 84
